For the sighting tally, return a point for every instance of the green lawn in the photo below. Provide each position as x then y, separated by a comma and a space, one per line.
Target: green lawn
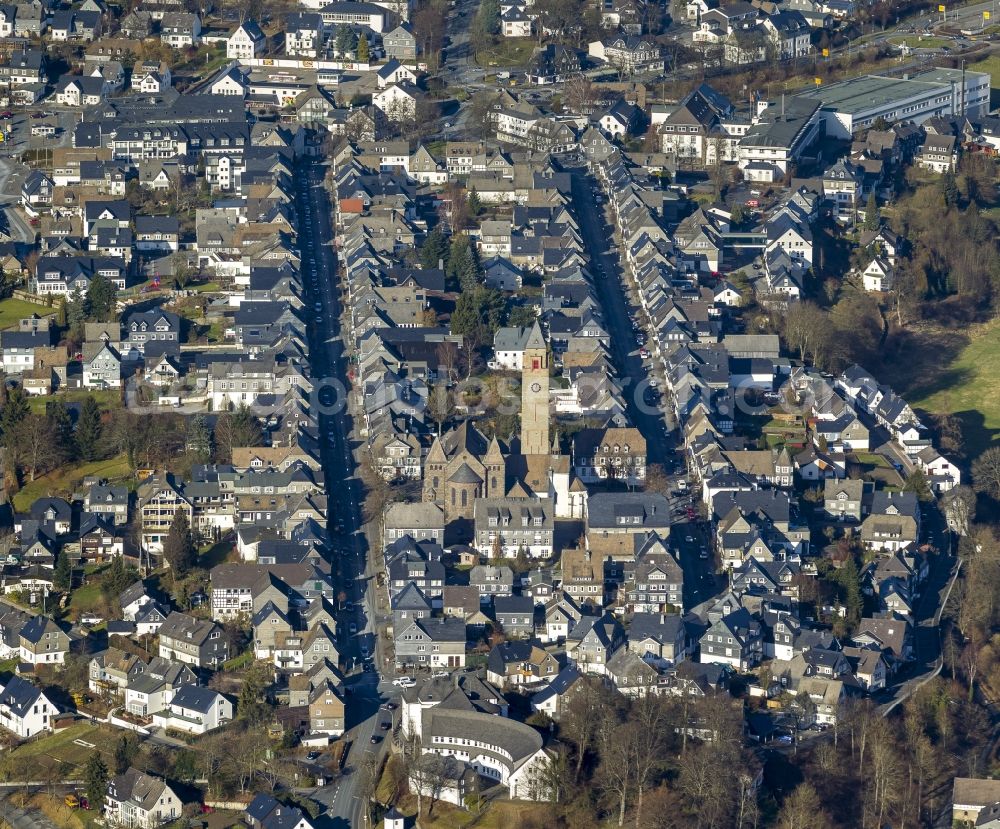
917, 42
870, 459
969, 388
12, 310
63, 749
217, 553
107, 399
86, 598
991, 65
64, 480
508, 52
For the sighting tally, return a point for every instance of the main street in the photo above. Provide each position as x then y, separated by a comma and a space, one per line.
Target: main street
657, 426
342, 800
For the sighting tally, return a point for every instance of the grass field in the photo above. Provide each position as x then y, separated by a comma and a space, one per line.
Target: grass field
917, 42
64, 480
62, 750
508, 52
871, 460
12, 310
86, 598
107, 399
497, 814
991, 65
968, 387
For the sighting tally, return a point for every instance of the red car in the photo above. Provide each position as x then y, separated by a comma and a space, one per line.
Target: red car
6, 114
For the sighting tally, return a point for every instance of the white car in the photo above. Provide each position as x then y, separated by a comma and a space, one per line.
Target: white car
440, 675
404, 682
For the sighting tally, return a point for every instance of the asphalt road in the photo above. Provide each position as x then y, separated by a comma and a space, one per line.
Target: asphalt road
654, 421
342, 801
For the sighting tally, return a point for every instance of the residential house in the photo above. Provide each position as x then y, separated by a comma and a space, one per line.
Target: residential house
195, 709
137, 800
736, 639
246, 42
631, 675
893, 522
400, 43
326, 710
610, 454
593, 641
842, 498
433, 643
514, 524
656, 584
43, 642
658, 637
511, 664
491, 580
25, 710
193, 641
515, 615
150, 690
180, 29
112, 670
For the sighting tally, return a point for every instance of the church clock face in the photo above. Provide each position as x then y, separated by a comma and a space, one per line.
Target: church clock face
536, 387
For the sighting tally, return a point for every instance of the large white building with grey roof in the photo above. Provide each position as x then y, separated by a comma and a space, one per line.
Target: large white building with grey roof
856, 104
503, 750
785, 132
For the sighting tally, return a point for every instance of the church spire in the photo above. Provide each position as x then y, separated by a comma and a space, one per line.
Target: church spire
536, 339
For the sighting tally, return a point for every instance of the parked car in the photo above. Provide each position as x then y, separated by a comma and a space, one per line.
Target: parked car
404, 682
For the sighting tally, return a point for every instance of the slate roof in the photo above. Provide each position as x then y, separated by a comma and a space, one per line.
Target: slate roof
195, 698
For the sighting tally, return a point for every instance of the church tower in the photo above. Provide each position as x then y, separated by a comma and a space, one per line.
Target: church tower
535, 395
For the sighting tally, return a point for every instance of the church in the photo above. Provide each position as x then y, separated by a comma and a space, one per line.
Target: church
463, 464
